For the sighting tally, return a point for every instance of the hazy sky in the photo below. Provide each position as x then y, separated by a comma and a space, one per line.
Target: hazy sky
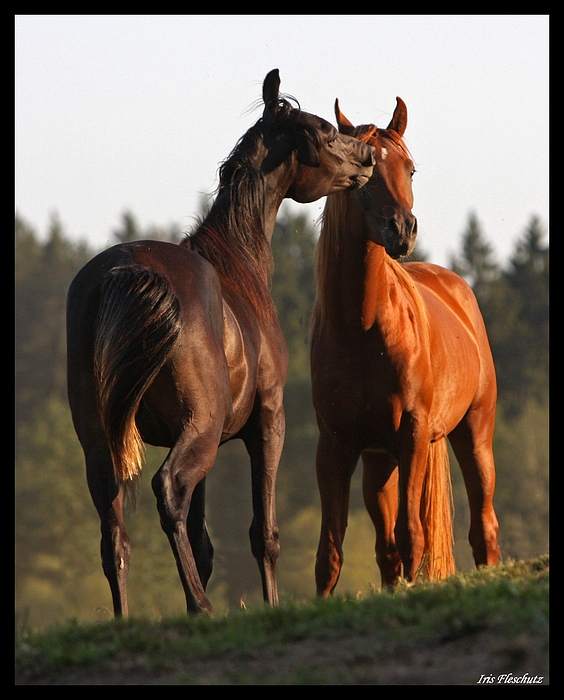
135, 112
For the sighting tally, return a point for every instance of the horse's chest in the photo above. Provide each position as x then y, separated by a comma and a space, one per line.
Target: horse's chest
355, 387
242, 358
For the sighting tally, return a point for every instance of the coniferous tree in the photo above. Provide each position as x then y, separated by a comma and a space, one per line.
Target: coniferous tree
293, 290
476, 263
52, 503
514, 303
58, 572
130, 230
43, 274
527, 276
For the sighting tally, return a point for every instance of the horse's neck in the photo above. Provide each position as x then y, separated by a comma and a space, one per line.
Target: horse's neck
277, 183
392, 303
236, 235
264, 204
358, 290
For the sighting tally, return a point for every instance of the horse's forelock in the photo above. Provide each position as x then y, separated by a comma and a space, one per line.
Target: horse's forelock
393, 136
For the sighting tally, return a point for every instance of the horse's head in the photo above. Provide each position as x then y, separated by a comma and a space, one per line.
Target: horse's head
326, 160
387, 199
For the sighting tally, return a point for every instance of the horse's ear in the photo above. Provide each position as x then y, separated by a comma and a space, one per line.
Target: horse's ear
399, 118
345, 126
271, 89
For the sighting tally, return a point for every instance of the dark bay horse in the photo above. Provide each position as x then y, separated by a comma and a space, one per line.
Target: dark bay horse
400, 360
179, 346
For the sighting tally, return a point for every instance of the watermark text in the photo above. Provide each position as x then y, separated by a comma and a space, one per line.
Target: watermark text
509, 678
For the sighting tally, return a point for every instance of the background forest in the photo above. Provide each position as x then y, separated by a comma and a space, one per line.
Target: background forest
58, 570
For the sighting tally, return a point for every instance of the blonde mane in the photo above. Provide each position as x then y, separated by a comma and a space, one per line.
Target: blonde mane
327, 252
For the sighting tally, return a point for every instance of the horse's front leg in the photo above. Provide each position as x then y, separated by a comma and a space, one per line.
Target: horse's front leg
410, 536
264, 439
335, 464
380, 492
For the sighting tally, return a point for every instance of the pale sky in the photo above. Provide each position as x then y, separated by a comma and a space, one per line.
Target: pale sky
136, 112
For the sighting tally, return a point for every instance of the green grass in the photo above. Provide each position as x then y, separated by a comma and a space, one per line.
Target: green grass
509, 599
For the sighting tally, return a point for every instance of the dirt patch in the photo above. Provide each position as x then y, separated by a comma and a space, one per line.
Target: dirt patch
478, 656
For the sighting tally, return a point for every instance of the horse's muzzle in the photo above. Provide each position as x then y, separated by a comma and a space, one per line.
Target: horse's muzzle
366, 161
359, 180
399, 235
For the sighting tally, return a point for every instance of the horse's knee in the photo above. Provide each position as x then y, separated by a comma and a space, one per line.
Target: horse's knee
115, 550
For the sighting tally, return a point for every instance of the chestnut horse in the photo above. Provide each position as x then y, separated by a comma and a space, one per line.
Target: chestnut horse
400, 360
179, 346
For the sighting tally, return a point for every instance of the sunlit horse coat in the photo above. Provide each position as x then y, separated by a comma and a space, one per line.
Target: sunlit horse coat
400, 360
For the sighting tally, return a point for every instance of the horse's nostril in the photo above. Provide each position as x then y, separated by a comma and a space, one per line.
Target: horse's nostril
393, 226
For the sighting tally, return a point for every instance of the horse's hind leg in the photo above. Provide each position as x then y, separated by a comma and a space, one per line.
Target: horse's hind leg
200, 541
380, 491
335, 467
115, 547
174, 484
472, 445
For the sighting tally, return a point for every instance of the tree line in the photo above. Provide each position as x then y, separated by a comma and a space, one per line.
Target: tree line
58, 570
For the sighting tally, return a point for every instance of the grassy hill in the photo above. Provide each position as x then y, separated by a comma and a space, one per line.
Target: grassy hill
488, 627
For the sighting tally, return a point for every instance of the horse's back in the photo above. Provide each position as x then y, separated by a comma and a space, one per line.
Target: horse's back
190, 277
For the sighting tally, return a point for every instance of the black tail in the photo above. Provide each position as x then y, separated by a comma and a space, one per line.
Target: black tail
138, 322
